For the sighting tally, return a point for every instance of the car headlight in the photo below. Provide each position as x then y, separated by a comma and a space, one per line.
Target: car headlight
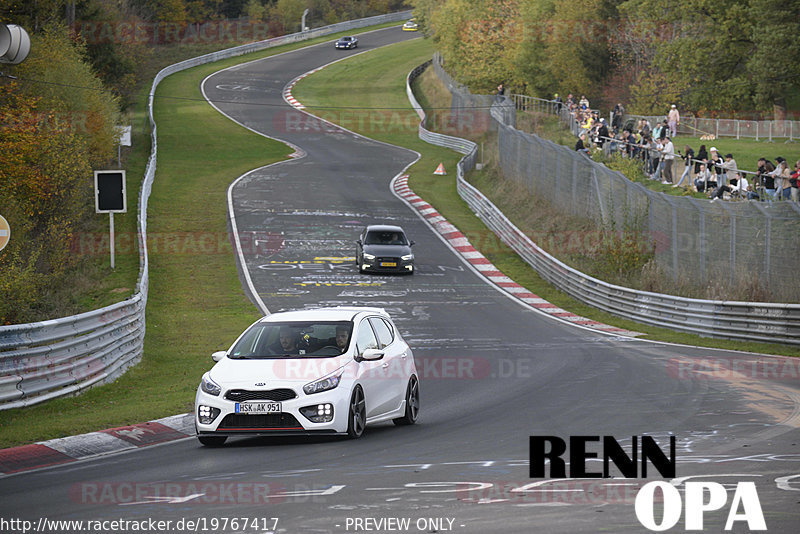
369, 256
209, 386
323, 384
407, 257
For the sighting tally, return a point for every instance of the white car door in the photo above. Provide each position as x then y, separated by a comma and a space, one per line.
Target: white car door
372, 375
396, 363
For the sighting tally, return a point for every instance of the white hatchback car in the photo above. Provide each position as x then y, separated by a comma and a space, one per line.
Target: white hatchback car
322, 371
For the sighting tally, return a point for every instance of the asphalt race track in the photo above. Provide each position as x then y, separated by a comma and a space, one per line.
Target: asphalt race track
493, 373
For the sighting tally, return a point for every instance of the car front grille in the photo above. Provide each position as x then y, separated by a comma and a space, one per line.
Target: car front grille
277, 421
386, 258
241, 395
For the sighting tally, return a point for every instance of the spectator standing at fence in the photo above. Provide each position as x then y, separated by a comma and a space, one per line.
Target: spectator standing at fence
602, 133
627, 142
765, 176
668, 151
656, 158
657, 131
616, 120
583, 103
687, 156
780, 165
644, 127
715, 161
794, 178
786, 182
701, 155
674, 119
730, 167
587, 124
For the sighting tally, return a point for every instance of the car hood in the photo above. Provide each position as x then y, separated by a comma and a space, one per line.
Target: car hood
274, 373
387, 250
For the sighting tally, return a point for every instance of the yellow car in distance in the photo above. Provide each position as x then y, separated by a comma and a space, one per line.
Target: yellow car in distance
410, 26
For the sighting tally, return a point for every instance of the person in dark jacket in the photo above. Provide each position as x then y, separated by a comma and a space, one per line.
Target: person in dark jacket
766, 177
715, 162
616, 122
580, 146
701, 155
602, 133
688, 156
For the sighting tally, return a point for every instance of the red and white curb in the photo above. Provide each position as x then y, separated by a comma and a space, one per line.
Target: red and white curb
71, 449
461, 244
287, 91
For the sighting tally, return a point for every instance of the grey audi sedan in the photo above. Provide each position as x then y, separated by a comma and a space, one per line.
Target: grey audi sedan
384, 249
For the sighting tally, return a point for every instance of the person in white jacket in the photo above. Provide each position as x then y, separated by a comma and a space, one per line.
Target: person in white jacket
668, 155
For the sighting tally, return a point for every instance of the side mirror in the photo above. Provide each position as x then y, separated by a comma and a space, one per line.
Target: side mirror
371, 355
220, 354
412, 243
358, 241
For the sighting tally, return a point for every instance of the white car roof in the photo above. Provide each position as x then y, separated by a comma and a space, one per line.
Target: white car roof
339, 313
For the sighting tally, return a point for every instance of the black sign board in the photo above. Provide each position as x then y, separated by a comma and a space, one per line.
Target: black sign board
109, 192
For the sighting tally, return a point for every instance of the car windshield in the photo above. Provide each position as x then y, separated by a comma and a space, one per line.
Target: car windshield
385, 238
347, 38
294, 340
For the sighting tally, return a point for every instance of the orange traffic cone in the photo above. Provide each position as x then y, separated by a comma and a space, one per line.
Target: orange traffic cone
440, 170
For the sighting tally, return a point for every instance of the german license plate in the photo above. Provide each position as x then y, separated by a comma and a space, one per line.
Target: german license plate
258, 407
388, 264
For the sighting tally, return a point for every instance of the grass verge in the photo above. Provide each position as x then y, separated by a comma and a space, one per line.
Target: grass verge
343, 85
196, 302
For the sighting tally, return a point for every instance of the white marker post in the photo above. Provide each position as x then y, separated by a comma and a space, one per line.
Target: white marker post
110, 197
124, 133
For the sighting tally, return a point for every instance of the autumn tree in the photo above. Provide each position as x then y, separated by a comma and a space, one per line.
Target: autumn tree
720, 55
478, 41
58, 74
45, 194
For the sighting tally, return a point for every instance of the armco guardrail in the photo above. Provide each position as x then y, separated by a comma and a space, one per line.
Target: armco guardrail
751, 321
48, 359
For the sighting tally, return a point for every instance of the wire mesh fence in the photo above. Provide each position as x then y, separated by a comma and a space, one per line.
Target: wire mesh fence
722, 243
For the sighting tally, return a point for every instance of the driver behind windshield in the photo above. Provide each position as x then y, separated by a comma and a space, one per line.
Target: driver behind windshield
287, 342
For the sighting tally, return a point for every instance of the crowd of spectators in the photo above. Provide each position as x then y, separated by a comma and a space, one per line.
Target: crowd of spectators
705, 171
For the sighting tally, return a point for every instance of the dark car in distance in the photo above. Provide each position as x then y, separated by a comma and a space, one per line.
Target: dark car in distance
384, 249
346, 43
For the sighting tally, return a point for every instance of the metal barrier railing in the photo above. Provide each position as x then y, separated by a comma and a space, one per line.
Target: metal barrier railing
59, 357
699, 126
751, 321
